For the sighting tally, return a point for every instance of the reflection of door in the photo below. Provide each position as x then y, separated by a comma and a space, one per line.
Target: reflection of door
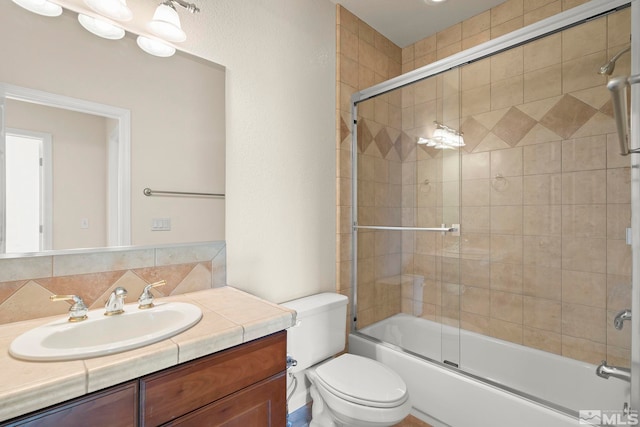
28, 191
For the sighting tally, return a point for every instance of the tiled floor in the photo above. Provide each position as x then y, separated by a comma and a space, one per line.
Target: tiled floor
302, 416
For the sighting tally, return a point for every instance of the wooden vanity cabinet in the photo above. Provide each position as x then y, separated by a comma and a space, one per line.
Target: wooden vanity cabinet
241, 386
113, 407
225, 389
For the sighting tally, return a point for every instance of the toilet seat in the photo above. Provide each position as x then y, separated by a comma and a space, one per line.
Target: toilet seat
362, 381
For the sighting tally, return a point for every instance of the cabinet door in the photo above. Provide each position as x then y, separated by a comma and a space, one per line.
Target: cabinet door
167, 395
261, 405
113, 407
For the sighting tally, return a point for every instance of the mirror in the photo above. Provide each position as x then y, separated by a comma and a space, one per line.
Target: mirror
159, 123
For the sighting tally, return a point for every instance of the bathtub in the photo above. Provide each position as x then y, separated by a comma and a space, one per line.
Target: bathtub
498, 384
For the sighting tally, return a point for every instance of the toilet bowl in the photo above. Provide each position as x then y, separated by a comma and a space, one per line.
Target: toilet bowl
348, 390
354, 391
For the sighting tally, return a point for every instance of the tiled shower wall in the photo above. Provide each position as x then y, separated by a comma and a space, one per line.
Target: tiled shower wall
26, 283
544, 205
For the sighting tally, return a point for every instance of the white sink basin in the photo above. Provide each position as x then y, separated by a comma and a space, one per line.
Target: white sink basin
101, 335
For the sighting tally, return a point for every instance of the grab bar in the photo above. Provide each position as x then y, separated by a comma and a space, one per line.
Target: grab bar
379, 227
149, 192
618, 88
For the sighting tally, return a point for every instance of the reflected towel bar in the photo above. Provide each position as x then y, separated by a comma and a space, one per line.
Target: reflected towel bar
150, 192
618, 88
379, 227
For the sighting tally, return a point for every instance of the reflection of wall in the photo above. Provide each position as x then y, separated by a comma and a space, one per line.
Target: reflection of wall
177, 105
79, 170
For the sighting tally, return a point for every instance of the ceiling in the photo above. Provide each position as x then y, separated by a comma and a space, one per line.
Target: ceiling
404, 22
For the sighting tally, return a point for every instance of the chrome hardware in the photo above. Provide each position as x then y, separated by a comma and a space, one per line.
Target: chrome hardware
618, 321
77, 311
146, 298
291, 362
115, 303
605, 371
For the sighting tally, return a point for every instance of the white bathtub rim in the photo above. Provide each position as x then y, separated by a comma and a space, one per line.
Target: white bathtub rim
562, 410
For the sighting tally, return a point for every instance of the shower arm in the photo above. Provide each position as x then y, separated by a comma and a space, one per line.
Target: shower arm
618, 88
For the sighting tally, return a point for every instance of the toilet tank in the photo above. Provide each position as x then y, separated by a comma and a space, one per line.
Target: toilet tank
319, 333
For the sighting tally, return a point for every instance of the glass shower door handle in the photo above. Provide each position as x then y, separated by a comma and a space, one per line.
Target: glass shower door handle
445, 229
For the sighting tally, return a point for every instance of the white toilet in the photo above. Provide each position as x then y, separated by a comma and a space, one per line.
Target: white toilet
348, 390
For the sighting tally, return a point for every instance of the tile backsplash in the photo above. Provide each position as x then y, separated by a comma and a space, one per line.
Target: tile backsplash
27, 282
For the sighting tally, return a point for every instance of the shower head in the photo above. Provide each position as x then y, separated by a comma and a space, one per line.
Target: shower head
607, 69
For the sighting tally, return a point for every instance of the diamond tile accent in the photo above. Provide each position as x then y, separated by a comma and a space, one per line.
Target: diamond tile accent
345, 130
473, 132
383, 142
364, 135
405, 145
513, 126
607, 108
567, 116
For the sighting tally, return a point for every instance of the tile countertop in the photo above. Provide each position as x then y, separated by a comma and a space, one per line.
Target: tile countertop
229, 317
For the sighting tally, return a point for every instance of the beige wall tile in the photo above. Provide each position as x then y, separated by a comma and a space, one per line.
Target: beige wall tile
614, 159
584, 153
476, 219
584, 288
543, 158
506, 249
583, 349
584, 221
543, 53
505, 330
542, 220
506, 277
476, 192
543, 251
506, 11
619, 185
584, 39
542, 340
619, 28
347, 43
507, 27
475, 246
507, 64
475, 300
583, 254
542, 314
542, 189
580, 321
476, 166
476, 101
425, 46
618, 219
578, 73
618, 258
618, 356
347, 19
506, 306
506, 190
507, 163
543, 12
584, 187
506, 219
475, 40
476, 24
449, 36
507, 92
543, 83
475, 273
474, 323
536, 4
542, 282
568, 4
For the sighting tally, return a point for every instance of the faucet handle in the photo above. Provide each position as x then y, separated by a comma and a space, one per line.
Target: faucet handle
146, 298
77, 311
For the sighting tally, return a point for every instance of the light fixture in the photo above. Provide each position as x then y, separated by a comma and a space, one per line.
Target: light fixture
155, 47
101, 27
434, 2
166, 23
41, 7
112, 9
443, 137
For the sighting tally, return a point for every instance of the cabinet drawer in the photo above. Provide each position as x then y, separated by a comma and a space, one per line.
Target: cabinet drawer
260, 405
176, 391
113, 407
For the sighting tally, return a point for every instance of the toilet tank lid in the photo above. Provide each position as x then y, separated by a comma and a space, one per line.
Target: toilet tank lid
307, 306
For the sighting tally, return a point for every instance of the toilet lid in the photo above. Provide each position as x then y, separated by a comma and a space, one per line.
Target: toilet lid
363, 381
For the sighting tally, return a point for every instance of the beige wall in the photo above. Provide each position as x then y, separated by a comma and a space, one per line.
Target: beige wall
542, 259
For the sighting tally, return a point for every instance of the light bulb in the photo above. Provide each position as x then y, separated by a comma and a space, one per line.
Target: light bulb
155, 47
113, 9
100, 27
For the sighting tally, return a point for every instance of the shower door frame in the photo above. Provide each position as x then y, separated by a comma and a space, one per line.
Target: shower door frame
556, 23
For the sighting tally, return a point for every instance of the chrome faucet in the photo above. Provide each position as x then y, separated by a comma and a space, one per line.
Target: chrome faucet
622, 315
146, 298
605, 371
77, 311
115, 303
